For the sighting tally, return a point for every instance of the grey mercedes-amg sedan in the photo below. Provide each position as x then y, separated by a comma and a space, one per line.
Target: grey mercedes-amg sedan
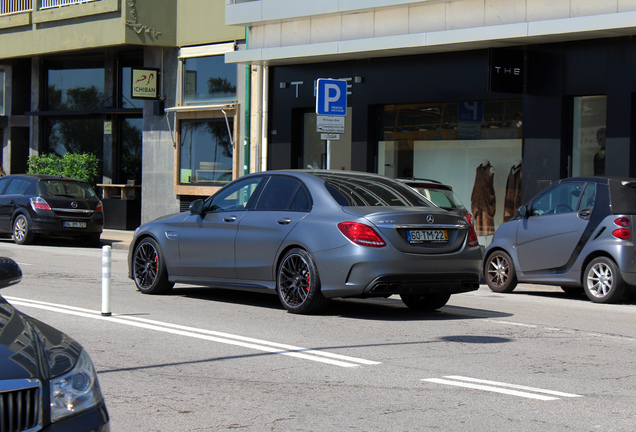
309, 236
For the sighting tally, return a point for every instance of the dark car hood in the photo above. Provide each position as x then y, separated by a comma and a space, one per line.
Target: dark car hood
32, 349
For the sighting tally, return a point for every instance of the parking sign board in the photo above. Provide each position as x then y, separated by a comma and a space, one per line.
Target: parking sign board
331, 97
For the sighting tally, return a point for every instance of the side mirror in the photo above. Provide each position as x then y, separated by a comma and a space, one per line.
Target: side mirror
523, 211
196, 207
10, 273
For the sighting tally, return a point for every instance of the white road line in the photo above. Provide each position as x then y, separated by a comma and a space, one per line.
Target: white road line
500, 387
226, 338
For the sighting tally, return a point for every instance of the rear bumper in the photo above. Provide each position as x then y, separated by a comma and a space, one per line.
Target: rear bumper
454, 283
355, 271
51, 226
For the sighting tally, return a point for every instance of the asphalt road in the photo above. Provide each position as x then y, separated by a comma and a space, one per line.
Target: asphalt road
206, 359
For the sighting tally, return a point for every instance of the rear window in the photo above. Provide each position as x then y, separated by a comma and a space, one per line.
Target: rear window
623, 196
65, 188
359, 190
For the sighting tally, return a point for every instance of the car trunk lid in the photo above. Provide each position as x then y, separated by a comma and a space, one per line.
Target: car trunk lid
421, 230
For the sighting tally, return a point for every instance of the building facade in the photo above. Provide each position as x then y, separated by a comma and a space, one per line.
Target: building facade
142, 84
496, 97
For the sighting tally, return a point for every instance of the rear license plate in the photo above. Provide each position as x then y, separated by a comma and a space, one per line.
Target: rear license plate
427, 236
69, 224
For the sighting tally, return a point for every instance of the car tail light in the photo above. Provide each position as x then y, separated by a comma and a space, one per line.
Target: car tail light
472, 236
469, 218
38, 203
622, 233
622, 221
361, 234
99, 208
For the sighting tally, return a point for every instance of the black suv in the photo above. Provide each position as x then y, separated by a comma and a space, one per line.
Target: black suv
35, 204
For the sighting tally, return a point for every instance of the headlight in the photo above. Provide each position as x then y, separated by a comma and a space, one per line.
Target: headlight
75, 391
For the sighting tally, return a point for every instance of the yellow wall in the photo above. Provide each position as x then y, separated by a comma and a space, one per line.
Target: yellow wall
202, 22
111, 23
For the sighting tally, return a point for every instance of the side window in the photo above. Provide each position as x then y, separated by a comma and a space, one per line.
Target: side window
235, 197
588, 197
301, 200
563, 198
16, 187
3, 184
278, 193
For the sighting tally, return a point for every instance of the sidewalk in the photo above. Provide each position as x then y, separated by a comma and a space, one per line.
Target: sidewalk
117, 239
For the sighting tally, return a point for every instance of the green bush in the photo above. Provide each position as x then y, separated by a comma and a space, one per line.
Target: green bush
83, 166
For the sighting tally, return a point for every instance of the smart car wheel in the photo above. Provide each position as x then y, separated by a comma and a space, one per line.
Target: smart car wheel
298, 283
603, 281
22, 233
425, 302
500, 273
151, 276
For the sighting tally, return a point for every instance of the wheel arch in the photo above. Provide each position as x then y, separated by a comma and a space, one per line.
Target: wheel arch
487, 255
593, 256
279, 258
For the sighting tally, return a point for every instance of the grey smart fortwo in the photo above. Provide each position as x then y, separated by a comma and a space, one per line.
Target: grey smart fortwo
309, 236
576, 233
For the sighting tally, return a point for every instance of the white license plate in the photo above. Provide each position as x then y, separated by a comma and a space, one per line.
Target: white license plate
422, 236
69, 224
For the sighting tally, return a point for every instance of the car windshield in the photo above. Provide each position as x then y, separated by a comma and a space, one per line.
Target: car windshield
360, 190
65, 188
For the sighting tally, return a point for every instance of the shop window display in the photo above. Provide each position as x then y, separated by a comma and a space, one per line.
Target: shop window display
206, 152
588, 144
473, 146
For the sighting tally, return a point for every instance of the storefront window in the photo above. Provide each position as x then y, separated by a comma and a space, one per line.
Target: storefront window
208, 79
75, 136
588, 149
126, 89
206, 151
473, 146
75, 89
131, 150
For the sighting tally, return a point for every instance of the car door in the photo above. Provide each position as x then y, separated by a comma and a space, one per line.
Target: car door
9, 201
6, 209
547, 238
282, 204
206, 243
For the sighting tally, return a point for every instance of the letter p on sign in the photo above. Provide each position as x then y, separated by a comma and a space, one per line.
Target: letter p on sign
331, 97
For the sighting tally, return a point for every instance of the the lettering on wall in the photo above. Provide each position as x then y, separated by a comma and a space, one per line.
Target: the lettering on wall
506, 70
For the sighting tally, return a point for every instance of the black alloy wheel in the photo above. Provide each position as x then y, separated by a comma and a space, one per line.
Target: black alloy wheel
298, 283
149, 268
500, 272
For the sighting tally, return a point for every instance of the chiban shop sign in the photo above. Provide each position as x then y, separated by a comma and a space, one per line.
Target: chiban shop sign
145, 84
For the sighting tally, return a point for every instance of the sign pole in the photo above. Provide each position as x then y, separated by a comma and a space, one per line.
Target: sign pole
328, 156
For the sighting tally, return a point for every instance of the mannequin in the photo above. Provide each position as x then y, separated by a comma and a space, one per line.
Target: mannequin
513, 191
483, 201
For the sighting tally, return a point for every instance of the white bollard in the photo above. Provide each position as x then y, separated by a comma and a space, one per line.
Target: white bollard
106, 276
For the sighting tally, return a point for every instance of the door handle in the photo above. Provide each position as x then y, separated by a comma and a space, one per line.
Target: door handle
229, 219
283, 221
585, 213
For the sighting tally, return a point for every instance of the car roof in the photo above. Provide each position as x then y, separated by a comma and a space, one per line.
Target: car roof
43, 177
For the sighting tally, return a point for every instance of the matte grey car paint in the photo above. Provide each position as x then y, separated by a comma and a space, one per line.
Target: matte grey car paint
242, 248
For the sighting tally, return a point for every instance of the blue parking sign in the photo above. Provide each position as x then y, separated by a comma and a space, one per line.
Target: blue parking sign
331, 97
